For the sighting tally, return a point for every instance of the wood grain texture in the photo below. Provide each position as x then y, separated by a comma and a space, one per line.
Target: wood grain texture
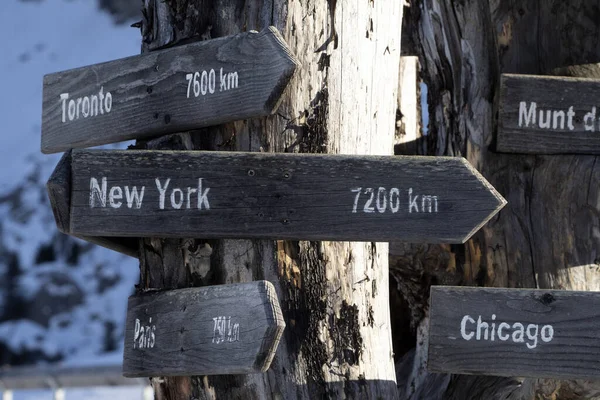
59, 194
519, 132
284, 196
178, 332
334, 295
572, 350
150, 94
550, 224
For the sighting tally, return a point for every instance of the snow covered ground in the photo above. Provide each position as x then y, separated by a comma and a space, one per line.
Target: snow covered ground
61, 300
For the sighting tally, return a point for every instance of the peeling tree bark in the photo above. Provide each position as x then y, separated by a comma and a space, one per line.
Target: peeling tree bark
334, 296
547, 235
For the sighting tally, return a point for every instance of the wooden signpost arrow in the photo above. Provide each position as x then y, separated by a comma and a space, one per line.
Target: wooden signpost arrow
173, 90
224, 329
514, 332
59, 193
549, 115
141, 193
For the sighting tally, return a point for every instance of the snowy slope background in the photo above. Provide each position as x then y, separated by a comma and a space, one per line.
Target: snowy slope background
61, 300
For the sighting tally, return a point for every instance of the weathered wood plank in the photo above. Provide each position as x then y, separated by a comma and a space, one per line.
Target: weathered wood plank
181, 88
549, 115
278, 196
59, 194
514, 332
211, 330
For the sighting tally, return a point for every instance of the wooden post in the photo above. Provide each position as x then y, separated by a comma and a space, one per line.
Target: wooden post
334, 296
549, 224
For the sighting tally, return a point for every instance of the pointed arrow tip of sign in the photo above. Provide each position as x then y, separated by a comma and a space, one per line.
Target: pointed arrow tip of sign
59, 192
500, 201
274, 331
288, 65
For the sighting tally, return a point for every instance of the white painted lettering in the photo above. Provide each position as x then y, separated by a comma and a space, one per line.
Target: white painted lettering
161, 192
108, 102
78, 105
144, 336
463, 327
589, 121
94, 106
555, 116
211, 81
395, 207
116, 193
232, 80
532, 334
521, 333
235, 335
357, 191
152, 336
224, 330
545, 124
101, 95
429, 203
142, 339
133, 195
204, 83
502, 337
228, 81
222, 81
178, 198
96, 192
71, 110
381, 200
547, 333
85, 106
217, 332
368, 208
412, 202
136, 332
196, 84
64, 97
480, 326
570, 115
528, 116
174, 202
202, 196
190, 191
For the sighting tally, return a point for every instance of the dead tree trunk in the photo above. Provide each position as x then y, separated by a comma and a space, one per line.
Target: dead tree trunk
546, 236
334, 296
